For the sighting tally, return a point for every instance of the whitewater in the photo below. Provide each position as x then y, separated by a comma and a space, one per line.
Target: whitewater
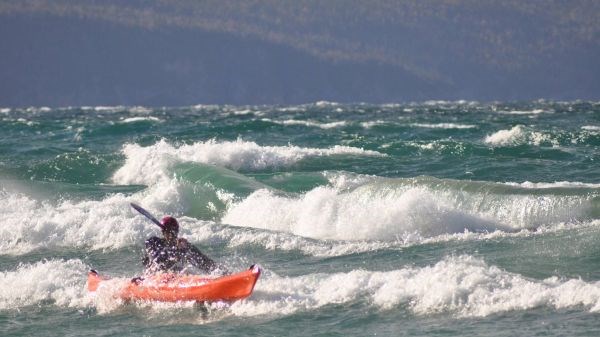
421, 219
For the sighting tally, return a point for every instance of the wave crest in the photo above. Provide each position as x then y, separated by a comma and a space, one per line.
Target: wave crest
463, 285
148, 165
61, 282
398, 209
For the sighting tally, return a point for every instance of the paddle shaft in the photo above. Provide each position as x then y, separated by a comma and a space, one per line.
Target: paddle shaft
146, 214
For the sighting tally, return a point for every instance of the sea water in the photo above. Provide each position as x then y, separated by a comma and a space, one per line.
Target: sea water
419, 219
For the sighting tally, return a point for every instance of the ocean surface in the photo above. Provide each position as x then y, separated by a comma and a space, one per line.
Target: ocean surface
424, 219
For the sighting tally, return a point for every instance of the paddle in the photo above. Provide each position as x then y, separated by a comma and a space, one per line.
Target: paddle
146, 214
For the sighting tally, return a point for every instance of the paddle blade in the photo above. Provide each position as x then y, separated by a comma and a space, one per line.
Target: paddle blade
146, 214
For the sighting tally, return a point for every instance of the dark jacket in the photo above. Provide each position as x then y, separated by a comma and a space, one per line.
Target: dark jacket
162, 257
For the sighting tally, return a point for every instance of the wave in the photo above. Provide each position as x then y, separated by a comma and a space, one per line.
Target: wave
28, 224
240, 237
525, 112
446, 103
374, 208
20, 120
594, 128
140, 119
325, 104
34, 220
60, 282
350, 213
557, 184
148, 165
308, 123
444, 126
516, 135
520, 135
371, 124
118, 109
39, 215
465, 286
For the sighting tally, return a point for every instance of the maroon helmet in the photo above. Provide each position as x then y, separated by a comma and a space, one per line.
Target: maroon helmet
170, 224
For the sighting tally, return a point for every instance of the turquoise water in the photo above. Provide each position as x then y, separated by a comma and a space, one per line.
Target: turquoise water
423, 219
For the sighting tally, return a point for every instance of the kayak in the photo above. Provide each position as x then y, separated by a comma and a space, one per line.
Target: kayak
179, 287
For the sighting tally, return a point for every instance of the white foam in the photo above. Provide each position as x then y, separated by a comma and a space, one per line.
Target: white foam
557, 184
469, 287
309, 123
27, 122
139, 110
277, 241
326, 104
435, 145
282, 241
524, 112
360, 213
436, 102
140, 119
200, 107
243, 112
59, 281
591, 127
446, 104
370, 124
78, 133
438, 145
109, 109
363, 214
292, 109
147, 165
519, 135
110, 223
464, 285
444, 126
381, 209
516, 135
42, 225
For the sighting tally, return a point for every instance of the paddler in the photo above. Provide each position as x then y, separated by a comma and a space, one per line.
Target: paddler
173, 254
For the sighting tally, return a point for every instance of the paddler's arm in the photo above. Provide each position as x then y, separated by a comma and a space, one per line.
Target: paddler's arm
152, 245
197, 258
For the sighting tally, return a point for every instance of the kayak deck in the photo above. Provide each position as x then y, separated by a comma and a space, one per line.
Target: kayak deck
176, 287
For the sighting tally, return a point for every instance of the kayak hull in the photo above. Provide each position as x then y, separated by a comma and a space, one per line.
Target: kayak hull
175, 287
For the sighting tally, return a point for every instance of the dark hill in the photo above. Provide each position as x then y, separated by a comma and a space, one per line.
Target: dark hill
157, 52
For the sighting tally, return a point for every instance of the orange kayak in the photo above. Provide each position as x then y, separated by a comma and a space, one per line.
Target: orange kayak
176, 287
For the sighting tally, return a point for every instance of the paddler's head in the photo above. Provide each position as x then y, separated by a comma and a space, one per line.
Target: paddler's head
170, 228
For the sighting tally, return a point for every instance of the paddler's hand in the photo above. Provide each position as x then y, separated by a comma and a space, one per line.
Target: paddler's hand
137, 280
